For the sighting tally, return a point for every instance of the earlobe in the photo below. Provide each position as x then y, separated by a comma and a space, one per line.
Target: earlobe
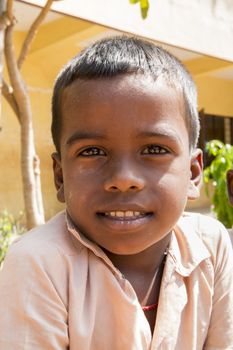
196, 167
230, 185
58, 176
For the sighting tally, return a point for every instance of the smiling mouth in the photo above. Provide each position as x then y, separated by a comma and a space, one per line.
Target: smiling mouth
125, 215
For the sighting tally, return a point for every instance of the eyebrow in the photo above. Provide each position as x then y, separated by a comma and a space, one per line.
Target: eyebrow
83, 135
162, 134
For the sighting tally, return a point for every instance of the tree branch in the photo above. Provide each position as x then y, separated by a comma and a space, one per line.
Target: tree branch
9, 10
4, 21
32, 33
13, 71
3, 24
9, 96
39, 199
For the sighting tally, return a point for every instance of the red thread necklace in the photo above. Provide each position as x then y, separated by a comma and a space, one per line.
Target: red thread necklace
149, 307
154, 306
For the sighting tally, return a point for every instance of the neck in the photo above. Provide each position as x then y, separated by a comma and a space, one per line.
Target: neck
143, 263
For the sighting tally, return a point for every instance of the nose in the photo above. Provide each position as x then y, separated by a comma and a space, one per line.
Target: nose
124, 178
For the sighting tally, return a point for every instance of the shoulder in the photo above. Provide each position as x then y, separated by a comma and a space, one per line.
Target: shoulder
207, 228
49, 237
45, 247
212, 234
41, 259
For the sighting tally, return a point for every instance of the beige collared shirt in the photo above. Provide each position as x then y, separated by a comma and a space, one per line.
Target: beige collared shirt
60, 291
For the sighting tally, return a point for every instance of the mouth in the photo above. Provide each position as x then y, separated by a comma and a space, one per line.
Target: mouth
125, 220
124, 215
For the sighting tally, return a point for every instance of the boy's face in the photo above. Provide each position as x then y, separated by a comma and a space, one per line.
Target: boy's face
125, 171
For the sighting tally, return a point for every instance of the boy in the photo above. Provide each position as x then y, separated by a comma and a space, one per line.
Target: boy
123, 268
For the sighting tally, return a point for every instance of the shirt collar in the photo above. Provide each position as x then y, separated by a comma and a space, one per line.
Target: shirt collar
186, 248
97, 250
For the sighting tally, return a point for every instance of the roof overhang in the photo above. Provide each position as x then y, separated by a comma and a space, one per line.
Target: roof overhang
206, 29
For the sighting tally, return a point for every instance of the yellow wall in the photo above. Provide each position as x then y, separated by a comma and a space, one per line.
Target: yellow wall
215, 95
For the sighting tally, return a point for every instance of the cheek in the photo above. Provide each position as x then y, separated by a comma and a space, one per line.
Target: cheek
79, 184
173, 187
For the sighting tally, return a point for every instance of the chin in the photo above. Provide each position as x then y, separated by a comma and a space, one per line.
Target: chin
124, 250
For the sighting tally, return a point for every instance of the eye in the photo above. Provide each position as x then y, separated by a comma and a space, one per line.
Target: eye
92, 151
154, 149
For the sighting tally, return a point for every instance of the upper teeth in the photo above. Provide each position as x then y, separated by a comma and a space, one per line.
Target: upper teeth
128, 213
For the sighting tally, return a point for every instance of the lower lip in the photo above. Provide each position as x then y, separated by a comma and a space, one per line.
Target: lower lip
125, 224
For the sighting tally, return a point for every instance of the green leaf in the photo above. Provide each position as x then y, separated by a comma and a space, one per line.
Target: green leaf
207, 175
10, 228
215, 175
144, 5
214, 147
144, 8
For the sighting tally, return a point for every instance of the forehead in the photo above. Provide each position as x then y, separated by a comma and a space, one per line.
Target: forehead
136, 84
133, 100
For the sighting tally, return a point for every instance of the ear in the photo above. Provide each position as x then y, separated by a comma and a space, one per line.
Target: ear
58, 176
196, 167
230, 185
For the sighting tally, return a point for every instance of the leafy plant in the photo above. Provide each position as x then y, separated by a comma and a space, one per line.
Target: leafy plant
10, 228
216, 174
144, 5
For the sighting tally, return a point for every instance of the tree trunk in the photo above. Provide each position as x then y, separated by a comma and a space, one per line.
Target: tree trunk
29, 160
18, 98
30, 166
2, 29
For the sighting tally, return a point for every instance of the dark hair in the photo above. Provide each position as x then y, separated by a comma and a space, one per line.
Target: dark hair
121, 55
